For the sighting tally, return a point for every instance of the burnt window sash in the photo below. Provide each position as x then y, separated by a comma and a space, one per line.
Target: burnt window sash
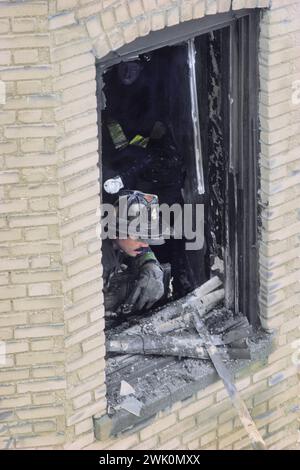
243, 166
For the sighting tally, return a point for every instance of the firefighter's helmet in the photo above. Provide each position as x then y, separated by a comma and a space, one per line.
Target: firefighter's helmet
137, 216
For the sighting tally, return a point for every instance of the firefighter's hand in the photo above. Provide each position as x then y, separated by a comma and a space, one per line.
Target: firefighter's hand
149, 287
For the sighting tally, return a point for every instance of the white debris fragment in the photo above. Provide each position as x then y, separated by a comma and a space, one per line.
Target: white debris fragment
126, 389
132, 405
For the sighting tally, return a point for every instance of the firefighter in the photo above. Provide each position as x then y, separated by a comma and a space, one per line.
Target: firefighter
140, 152
131, 255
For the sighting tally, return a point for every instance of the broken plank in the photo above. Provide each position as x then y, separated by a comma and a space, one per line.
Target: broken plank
205, 305
237, 401
158, 345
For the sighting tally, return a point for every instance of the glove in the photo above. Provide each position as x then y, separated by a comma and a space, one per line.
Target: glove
149, 287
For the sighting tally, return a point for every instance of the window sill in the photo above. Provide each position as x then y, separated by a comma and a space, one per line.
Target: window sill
199, 377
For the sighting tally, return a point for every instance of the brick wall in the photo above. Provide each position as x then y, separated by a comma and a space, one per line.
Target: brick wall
51, 314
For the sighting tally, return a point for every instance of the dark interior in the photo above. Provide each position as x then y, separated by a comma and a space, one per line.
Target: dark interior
161, 93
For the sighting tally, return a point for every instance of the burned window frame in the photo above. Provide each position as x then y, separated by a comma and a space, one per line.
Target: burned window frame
242, 175
242, 182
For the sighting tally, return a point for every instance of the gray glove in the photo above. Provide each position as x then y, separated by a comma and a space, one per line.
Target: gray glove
149, 287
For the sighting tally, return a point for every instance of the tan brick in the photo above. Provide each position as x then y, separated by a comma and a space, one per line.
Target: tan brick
130, 32
164, 3
149, 444
13, 206
158, 426
287, 395
26, 56
44, 426
84, 426
14, 402
240, 385
41, 386
82, 400
33, 191
32, 102
122, 14
39, 331
9, 177
42, 345
149, 5
76, 107
34, 115
24, 9
28, 277
23, 25
12, 292
8, 117
65, 51
40, 262
16, 346
46, 440
92, 369
89, 411
40, 233
270, 392
208, 438
79, 136
270, 370
13, 319
181, 427
4, 279
82, 442
40, 317
66, 4
34, 304
45, 130
80, 195
23, 221
172, 444
86, 290
32, 145
94, 26
195, 407
78, 91
89, 384
47, 371
43, 288
4, 26
77, 323
108, 20
225, 428
93, 343
61, 20
29, 87
38, 357
6, 333
32, 413
26, 73
5, 57
67, 35
79, 62
280, 353
125, 443
8, 147
286, 442
87, 358
158, 21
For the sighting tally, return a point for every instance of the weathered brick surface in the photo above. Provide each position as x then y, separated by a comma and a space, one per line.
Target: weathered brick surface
51, 313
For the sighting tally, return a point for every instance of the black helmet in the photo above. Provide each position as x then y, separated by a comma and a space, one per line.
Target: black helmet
137, 216
129, 72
